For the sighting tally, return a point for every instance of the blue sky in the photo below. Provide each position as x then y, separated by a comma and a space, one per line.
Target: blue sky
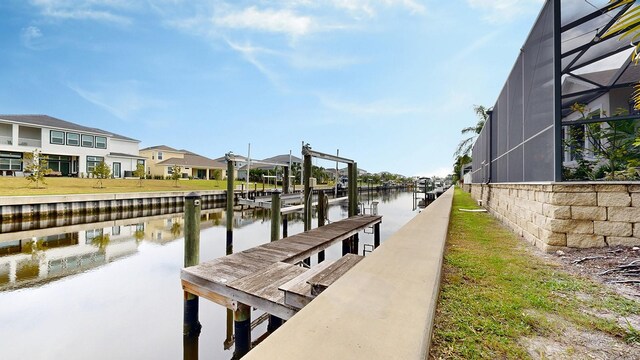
390, 83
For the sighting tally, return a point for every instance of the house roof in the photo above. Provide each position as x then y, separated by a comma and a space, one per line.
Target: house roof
162, 147
123, 155
48, 121
193, 160
282, 159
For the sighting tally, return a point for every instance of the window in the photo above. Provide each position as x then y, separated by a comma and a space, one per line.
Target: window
101, 142
140, 162
73, 139
10, 161
57, 137
159, 155
92, 161
87, 140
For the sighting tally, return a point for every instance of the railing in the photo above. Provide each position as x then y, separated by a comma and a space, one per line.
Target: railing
29, 142
6, 140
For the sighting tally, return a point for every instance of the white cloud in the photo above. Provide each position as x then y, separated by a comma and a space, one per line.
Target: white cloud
30, 37
379, 108
505, 10
278, 21
250, 54
370, 8
97, 10
123, 99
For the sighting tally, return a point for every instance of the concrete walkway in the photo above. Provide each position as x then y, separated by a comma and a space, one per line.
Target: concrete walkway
383, 308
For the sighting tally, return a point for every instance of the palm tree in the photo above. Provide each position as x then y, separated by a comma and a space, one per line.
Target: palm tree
464, 147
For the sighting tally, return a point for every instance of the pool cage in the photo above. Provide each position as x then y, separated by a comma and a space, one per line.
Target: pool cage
533, 132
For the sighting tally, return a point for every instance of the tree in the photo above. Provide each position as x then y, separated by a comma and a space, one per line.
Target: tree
176, 173
37, 167
461, 161
216, 174
139, 173
464, 147
101, 171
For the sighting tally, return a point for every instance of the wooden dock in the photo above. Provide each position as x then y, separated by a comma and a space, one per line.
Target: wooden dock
260, 276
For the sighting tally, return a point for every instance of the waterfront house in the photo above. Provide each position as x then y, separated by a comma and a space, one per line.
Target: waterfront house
162, 159
71, 149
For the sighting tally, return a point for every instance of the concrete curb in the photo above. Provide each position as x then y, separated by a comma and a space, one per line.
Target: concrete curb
383, 308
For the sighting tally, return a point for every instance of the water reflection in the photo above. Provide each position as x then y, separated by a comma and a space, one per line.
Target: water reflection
110, 277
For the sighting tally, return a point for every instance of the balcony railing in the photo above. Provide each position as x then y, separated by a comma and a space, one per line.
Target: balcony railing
29, 142
6, 140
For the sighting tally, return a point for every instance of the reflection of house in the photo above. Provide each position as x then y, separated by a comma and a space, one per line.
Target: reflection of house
605, 93
161, 160
71, 149
32, 261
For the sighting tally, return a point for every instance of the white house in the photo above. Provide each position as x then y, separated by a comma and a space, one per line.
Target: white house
71, 149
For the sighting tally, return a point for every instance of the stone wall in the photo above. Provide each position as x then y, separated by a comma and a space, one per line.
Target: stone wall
559, 215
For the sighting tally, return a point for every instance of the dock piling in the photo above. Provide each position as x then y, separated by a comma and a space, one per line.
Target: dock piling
242, 330
191, 325
230, 179
322, 210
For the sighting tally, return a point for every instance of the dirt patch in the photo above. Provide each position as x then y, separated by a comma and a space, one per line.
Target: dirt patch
571, 342
618, 268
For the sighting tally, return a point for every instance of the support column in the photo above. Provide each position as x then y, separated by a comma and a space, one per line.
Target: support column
191, 324
285, 190
354, 199
274, 321
307, 191
230, 169
321, 218
242, 330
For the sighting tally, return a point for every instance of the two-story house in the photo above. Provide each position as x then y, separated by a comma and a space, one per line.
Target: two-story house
71, 149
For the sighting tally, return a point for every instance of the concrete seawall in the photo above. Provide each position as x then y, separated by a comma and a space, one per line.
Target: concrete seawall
383, 308
28, 207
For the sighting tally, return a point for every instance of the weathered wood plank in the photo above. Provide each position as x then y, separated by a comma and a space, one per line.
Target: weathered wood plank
320, 281
297, 292
264, 284
253, 276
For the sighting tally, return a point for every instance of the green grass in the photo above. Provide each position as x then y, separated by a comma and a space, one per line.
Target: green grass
10, 186
494, 292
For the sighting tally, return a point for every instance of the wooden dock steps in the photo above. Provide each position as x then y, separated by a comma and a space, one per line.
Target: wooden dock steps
299, 291
254, 276
320, 281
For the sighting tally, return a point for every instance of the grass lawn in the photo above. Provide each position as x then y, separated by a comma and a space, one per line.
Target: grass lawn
500, 300
62, 185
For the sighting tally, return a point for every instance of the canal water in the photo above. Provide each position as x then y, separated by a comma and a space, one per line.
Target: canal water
111, 290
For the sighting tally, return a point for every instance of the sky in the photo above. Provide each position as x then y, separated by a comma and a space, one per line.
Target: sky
390, 83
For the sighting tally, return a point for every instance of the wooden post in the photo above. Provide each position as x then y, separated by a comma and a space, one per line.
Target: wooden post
274, 321
230, 169
321, 218
376, 235
275, 216
348, 243
191, 324
307, 196
285, 190
242, 330
354, 238
307, 192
